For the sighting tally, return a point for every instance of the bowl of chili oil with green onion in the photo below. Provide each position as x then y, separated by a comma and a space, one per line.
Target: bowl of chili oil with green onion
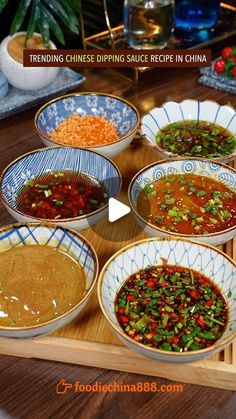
170, 299
192, 198
171, 308
192, 128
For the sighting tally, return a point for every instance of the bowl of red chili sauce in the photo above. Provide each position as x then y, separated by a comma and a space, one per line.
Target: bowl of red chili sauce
100, 122
193, 198
170, 299
67, 186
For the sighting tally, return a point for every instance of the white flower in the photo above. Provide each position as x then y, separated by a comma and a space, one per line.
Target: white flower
52, 111
69, 104
116, 118
110, 103
125, 127
42, 120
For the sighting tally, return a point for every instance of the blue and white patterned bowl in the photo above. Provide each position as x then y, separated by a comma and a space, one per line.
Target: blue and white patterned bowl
59, 238
117, 110
209, 168
200, 257
59, 159
169, 112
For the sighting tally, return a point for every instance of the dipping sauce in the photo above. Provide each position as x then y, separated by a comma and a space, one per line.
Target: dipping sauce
171, 308
196, 138
188, 204
61, 195
17, 45
37, 284
84, 131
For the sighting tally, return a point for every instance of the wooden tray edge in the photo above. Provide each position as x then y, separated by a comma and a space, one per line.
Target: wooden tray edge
216, 374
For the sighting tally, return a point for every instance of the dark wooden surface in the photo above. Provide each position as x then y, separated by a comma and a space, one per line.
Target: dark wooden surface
27, 386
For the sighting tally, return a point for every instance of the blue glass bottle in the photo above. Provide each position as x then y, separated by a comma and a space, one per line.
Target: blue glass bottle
196, 15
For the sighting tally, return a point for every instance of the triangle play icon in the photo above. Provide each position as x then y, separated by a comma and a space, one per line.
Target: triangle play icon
116, 210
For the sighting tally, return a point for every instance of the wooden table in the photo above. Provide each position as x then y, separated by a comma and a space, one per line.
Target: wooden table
28, 386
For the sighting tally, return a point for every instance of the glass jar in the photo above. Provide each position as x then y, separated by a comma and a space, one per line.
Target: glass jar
148, 24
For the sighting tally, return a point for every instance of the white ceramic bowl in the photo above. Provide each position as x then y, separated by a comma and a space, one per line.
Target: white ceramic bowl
115, 109
201, 257
60, 238
25, 78
58, 159
169, 112
209, 168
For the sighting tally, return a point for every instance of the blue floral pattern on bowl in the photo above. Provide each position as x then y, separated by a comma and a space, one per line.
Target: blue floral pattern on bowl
200, 257
114, 109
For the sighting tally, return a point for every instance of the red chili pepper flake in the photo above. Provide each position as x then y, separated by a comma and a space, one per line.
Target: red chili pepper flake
131, 297
124, 319
150, 284
61, 195
209, 303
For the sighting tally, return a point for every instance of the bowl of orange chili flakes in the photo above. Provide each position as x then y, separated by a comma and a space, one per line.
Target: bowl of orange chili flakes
101, 122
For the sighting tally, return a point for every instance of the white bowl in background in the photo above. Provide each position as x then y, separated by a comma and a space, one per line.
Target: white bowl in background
189, 109
25, 78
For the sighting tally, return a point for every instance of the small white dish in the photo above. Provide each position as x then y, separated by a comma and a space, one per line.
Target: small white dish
189, 109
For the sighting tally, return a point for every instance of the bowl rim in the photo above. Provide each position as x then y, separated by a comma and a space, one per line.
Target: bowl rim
124, 137
61, 220
172, 233
169, 153
90, 289
140, 345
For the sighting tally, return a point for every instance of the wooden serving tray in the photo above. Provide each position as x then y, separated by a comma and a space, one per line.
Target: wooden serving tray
89, 340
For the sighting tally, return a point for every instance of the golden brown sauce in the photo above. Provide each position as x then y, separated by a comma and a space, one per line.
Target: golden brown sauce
37, 284
188, 204
17, 45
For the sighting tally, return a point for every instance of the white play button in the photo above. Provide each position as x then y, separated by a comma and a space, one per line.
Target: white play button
116, 210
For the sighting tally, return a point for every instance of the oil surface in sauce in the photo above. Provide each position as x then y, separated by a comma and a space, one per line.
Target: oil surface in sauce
17, 45
37, 284
188, 204
58, 195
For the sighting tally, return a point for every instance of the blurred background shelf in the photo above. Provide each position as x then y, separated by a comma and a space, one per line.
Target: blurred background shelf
115, 38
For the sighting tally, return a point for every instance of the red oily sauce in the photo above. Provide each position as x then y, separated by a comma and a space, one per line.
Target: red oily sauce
61, 195
188, 204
